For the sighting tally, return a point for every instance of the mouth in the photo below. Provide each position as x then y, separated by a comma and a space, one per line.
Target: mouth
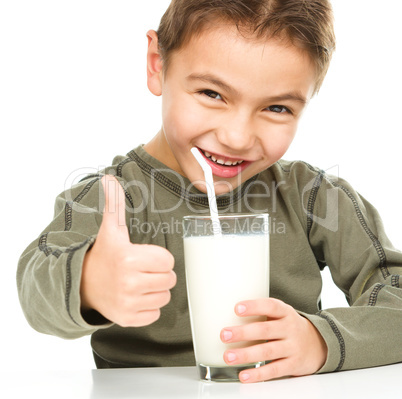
223, 166
222, 160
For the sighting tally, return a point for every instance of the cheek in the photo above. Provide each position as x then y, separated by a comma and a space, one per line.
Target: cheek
175, 121
182, 118
279, 142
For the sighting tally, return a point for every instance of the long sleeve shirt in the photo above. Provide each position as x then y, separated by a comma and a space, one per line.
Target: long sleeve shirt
316, 221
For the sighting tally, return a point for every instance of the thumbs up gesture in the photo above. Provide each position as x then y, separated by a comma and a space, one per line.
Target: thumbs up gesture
126, 283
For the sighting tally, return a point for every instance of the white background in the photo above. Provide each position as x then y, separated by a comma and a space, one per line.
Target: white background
73, 94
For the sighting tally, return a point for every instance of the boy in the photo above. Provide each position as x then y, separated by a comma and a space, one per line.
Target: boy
235, 78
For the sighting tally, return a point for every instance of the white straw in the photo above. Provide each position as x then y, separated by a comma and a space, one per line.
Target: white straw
213, 208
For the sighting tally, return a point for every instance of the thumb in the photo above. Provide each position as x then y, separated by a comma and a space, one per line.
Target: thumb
114, 212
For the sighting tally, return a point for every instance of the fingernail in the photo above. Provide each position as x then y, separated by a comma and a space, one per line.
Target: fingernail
227, 335
241, 309
244, 376
231, 357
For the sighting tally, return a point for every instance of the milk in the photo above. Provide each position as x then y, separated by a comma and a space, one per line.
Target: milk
220, 272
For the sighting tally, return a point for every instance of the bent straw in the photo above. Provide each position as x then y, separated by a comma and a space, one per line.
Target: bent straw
213, 208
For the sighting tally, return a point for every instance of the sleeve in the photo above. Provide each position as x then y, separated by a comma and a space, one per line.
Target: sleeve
346, 234
49, 270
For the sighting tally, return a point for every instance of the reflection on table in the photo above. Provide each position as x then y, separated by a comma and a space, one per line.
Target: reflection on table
183, 382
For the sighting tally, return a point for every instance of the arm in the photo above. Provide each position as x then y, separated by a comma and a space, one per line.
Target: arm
345, 233
367, 268
85, 265
49, 270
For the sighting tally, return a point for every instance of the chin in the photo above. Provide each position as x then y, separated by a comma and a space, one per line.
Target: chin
221, 188
198, 184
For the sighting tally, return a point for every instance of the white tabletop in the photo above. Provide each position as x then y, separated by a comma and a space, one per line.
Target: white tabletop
182, 382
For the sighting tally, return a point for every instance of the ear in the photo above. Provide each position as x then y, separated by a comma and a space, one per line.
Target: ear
154, 64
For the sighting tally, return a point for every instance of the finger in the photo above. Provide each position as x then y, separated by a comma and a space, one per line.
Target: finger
271, 350
154, 300
156, 282
153, 258
276, 369
114, 212
270, 307
265, 330
139, 319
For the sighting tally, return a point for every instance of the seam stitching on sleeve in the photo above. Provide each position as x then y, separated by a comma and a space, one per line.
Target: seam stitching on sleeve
119, 169
77, 199
119, 173
339, 337
91, 176
311, 201
71, 251
377, 245
42, 245
374, 294
395, 280
281, 166
68, 215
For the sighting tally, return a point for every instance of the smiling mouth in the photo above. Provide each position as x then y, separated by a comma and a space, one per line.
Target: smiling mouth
222, 160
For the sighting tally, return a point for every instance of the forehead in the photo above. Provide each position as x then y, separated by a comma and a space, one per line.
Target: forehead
245, 61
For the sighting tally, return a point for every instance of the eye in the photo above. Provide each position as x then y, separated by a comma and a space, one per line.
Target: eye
279, 109
211, 94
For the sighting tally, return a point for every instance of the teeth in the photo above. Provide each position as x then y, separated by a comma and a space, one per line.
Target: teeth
221, 161
230, 163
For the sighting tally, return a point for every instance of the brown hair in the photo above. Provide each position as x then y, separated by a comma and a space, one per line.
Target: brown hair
307, 24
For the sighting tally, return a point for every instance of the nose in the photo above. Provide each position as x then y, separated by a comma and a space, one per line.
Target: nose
237, 131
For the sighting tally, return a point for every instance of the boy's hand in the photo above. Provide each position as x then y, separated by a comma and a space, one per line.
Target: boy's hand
294, 347
126, 283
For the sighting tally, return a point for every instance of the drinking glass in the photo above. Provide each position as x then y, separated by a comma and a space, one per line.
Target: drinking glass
222, 270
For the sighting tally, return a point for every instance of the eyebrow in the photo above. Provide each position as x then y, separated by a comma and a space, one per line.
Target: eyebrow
214, 80
208, 78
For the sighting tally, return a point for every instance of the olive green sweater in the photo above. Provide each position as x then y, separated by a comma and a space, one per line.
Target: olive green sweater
316, 221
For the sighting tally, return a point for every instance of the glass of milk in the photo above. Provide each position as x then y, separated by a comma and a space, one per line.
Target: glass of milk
222, 270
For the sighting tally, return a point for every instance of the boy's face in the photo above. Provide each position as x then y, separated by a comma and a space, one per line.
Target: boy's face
238, 100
